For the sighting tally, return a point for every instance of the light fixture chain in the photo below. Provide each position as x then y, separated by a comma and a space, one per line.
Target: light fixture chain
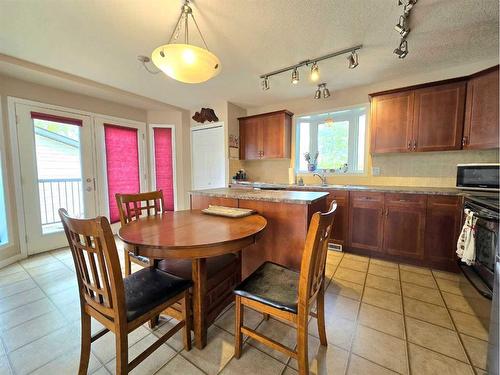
199, 32
176, 30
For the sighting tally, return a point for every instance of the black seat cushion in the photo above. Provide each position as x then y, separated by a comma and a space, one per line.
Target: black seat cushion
273, 285
148, 288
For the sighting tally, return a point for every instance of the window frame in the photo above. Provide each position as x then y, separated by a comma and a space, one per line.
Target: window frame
315, 119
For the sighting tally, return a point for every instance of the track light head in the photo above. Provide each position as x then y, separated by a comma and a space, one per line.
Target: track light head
402, 26
402, 50
353, 60
317, 94
265, 83
295, 76
326, 92
314, 72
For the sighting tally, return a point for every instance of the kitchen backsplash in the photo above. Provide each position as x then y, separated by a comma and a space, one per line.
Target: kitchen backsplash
433, 169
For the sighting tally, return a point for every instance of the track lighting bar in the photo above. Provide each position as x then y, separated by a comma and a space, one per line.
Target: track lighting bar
312, 61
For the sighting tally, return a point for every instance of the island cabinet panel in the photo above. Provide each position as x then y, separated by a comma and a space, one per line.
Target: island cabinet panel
404, 225
442, 230
265, 136
283, 239
366, 221
200, 202
341, 218
391, 122
438, 118
481, 119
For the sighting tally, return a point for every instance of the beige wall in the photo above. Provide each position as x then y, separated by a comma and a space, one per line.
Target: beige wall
418, 169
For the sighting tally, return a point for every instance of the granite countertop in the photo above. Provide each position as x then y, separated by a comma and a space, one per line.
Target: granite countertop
283, 196
369, 188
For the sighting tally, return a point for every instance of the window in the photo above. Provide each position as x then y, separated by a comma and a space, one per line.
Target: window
4, 234
122, 164
337, 137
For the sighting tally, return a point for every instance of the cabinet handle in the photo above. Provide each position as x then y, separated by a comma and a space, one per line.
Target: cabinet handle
386, 212
409, 145
414, 144
464, 141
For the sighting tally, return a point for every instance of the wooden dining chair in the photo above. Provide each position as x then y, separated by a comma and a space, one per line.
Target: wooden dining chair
121, 305
130, 208
278, 291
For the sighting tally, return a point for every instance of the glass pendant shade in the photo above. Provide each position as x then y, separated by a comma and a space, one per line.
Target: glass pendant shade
186, 63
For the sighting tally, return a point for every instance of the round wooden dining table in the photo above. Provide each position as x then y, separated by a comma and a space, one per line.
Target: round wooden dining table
193, 235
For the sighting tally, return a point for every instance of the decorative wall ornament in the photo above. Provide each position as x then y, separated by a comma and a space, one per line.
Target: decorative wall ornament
206, 114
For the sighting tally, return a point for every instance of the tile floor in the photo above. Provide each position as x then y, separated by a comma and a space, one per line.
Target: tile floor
382, 318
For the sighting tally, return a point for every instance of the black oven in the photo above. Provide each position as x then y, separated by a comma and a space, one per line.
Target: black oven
486, 242
478, 176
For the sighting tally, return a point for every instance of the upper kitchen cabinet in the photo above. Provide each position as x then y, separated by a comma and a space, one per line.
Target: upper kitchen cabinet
481, 116
438, 117
391, 122
460, 113
266, 136
421, 119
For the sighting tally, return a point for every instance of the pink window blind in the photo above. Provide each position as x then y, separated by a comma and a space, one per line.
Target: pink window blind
122, 164
164, 165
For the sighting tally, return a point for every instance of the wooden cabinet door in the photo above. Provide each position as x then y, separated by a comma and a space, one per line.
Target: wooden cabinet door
442, 230
250, 138
438, 118
341, 218
404, 225
276, 136
366, 220
391, 122
481, 118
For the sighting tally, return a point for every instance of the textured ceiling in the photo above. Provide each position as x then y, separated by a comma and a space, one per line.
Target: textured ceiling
100, 40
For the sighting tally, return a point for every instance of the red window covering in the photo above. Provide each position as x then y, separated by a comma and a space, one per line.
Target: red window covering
164, 165
60, 119
122, 164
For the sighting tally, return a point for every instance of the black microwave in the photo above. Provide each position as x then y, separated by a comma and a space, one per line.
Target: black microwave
478, 176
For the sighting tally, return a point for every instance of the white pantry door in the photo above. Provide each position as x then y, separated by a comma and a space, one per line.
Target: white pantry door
57, 171
207, 156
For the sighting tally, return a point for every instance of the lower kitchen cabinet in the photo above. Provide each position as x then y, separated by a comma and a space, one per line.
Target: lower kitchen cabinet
404, 225
366, 221
442, 230
413, 228
341, 218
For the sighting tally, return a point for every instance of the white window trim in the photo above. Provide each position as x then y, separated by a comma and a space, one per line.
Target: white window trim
152, 158
352, 147
5, 186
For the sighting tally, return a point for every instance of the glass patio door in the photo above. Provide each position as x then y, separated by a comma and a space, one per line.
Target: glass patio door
57, 171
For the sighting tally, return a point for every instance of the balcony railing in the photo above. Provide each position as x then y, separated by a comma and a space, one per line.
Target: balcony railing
59, 192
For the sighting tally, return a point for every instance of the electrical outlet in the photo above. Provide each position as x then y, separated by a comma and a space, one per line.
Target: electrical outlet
375, 171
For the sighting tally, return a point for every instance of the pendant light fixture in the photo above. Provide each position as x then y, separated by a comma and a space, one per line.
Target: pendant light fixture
185, 62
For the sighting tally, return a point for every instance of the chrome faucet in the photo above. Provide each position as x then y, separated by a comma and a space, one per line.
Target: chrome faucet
322, 177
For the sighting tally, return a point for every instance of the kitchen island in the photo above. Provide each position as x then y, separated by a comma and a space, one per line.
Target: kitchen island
287, 212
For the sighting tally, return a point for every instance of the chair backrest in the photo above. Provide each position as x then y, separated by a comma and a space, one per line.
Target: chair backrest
97, 264
132, 206
312, 268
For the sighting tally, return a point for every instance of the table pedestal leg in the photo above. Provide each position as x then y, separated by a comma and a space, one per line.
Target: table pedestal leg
199, 269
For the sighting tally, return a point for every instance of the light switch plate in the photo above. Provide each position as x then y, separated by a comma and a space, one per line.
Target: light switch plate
375, 171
